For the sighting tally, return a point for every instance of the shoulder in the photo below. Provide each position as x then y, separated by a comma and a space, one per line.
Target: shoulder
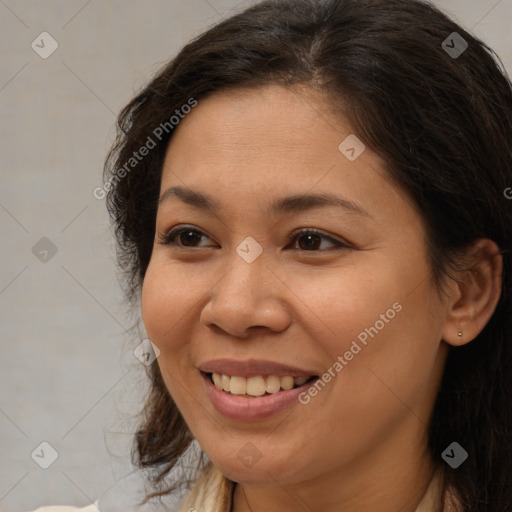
65, 508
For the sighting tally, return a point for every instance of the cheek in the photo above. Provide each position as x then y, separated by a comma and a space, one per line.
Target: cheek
165, 302
382, 319
338, 305
154, 304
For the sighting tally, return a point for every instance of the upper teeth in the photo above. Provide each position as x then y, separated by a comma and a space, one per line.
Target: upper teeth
255, 386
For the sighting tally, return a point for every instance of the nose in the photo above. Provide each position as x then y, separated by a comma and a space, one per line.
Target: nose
248, 297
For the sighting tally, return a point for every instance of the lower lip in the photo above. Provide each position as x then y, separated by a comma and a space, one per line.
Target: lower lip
242, 408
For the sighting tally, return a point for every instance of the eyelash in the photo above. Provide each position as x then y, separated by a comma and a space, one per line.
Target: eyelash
170, 237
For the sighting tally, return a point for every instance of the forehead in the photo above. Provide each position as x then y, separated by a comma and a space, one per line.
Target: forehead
266, 119
267, 142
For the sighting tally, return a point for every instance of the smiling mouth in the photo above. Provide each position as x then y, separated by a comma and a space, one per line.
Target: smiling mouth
257, 386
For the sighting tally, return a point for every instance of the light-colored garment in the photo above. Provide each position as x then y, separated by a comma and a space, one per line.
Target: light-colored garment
58, 508
213, 492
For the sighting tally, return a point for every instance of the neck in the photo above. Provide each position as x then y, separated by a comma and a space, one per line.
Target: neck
395, 479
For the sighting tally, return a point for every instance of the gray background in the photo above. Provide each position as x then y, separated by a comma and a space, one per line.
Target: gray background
67, 370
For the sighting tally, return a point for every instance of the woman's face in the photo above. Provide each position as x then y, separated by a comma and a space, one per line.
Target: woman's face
353, 302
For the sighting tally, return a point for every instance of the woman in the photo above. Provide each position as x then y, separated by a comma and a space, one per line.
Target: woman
311, 203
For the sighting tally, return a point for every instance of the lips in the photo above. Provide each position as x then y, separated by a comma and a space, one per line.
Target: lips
254, 389
250, 408
253, 368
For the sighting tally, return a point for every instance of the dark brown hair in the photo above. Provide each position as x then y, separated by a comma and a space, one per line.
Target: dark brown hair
443, 125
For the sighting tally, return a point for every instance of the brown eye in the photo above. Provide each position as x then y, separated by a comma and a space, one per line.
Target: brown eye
184, 236
311, 240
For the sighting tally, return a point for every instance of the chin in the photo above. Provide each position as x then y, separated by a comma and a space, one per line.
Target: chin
245, 469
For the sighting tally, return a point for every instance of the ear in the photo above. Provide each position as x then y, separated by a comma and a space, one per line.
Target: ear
475, 294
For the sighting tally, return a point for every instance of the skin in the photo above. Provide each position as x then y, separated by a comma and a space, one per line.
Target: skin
361, 443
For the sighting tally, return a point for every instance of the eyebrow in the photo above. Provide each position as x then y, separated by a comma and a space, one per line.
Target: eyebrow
289, 204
